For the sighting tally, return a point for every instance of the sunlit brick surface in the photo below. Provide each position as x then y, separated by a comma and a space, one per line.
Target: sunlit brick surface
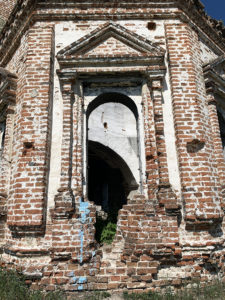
164, 61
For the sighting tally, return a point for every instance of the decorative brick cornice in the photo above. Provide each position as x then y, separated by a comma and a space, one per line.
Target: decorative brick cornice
24, 13
200, 8
193, 8
7, 89
67, 75
19, 20
155, 74
214, 80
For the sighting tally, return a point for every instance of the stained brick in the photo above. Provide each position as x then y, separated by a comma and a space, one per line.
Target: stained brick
56, 61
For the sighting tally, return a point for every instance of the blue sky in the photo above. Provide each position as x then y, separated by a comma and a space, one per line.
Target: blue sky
215, 8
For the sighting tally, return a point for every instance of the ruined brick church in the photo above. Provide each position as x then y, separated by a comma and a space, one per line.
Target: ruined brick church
112, 109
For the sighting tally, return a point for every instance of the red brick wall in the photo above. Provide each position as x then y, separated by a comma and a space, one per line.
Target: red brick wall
31, 144
200, 185
152, 235
216, 137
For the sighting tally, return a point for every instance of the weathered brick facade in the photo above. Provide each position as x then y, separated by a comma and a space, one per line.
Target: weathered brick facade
131, 87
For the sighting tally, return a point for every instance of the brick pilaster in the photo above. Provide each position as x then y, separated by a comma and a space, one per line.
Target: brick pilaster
165, 194
64, 199
77, 152
152, 176
194, 146
27, 199
8, 84
70, 190
159, 188
217, 143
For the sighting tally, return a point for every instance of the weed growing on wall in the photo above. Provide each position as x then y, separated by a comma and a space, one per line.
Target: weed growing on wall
105, 230
108, 233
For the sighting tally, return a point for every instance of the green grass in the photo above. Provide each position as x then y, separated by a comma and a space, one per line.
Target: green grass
195, 291
97, 296
13, 287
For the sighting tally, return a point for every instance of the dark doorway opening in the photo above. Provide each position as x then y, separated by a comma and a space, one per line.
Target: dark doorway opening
106, 185
107, 189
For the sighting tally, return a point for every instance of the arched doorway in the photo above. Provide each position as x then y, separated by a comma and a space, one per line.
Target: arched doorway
113, 154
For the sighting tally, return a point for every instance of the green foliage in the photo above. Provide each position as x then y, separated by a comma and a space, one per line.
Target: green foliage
37, 295
97, 296
195, 291
108, 233
13, 287
105, 230
142, 296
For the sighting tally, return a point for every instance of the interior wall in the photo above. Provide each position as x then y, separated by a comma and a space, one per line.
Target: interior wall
114, 125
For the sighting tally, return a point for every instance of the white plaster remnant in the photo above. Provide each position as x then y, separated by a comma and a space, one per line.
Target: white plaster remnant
57, 129
114, 125
172, 158
174, 272
207, 53
137, 166
2, 130
69, 31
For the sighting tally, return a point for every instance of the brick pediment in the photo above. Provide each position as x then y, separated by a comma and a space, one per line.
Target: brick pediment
111, 40
112, 46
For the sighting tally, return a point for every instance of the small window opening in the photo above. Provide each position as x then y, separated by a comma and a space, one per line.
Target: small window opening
151, 26
27, 147
2, 135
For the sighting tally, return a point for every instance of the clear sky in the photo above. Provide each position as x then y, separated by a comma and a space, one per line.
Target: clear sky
215, 8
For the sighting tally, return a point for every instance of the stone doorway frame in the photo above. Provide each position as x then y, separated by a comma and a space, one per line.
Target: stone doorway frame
75, 69
91, 105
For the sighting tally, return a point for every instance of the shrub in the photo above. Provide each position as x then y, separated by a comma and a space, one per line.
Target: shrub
13, 287
105, 230
108, 233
